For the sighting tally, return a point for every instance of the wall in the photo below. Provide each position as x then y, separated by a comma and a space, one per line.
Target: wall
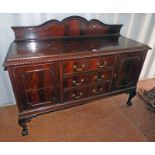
140, 27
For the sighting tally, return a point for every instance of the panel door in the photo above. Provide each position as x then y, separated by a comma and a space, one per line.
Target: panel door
128, 69
38, 85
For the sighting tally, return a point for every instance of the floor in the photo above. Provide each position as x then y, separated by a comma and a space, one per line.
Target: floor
109, 119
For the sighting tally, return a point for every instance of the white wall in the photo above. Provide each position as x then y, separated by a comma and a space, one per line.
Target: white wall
140, 27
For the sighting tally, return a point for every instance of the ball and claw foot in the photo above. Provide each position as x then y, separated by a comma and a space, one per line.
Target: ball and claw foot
131, 95
24, 132
22, 123
129, 103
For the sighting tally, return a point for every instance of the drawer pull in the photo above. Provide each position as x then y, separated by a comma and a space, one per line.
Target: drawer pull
97, 92
76, 97
99, 79
76, 83
102, 65
78, 69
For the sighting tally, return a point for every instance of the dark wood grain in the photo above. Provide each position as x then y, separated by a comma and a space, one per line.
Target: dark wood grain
58, 65
74, 26
37, 85
87, 78
88, 64
93, 90
33, 52
127, 70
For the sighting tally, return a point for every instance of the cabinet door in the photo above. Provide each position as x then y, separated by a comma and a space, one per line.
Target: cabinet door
128, 69
38, 85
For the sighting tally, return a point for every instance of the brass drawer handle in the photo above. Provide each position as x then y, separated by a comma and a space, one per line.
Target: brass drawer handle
99, 79
97, 92
76, 97
102, 65
78, 69
76, 83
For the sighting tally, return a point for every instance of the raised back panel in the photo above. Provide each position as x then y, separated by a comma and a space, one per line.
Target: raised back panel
73, 26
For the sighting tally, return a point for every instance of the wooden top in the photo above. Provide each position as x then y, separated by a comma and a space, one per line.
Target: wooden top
43, 48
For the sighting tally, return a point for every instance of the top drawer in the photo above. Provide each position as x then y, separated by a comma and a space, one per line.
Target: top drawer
81, 65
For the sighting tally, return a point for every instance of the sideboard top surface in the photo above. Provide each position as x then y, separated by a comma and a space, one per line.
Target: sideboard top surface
27, 47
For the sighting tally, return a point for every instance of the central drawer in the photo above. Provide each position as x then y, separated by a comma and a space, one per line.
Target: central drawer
83, 79
81, 65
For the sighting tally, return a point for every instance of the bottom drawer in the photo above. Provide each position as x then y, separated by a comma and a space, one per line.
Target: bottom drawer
86, 92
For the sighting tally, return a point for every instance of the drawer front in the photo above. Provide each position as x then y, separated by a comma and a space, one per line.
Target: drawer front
87, 78
88, 64
90, 91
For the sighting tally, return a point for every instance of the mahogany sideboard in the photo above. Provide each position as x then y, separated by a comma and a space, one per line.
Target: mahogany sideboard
58, 65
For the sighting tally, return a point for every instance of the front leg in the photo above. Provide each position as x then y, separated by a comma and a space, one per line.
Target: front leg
131, 95
22, 123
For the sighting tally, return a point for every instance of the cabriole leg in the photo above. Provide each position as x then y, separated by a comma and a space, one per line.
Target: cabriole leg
131, 95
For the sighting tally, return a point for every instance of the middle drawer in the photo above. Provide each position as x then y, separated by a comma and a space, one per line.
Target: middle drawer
87, 78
